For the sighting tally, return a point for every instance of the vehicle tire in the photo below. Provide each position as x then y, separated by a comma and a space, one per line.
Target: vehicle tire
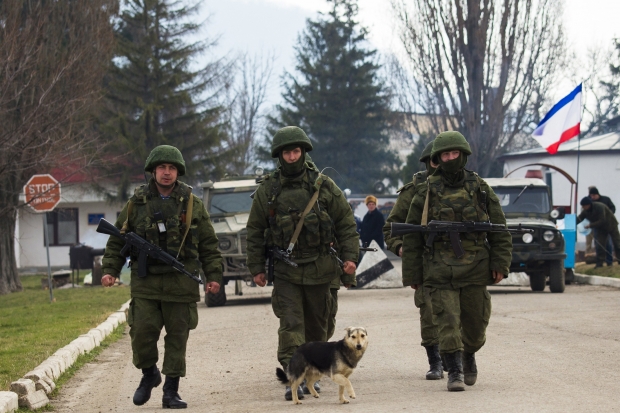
538, 282
216, 300
556, 276
569, 276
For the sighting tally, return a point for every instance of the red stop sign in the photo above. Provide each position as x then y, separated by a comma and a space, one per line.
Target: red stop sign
42, 192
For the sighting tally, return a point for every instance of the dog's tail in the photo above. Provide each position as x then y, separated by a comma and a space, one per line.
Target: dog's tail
282, 376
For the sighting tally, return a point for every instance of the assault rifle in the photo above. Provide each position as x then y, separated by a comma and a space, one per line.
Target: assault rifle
145, 249
435, 228
275, 253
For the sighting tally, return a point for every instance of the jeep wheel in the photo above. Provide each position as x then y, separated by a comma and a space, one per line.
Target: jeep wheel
538, 282
216, 300
556, 276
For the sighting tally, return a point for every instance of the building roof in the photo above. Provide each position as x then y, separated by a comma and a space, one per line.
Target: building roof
601, 143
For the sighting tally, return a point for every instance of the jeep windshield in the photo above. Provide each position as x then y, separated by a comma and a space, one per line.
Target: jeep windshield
231, 202
532, 199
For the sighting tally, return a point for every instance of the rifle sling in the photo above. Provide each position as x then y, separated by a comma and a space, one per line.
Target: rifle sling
300, 224
424, 221
188, 220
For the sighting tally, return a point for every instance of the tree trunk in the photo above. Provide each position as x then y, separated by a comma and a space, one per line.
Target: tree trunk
9, 278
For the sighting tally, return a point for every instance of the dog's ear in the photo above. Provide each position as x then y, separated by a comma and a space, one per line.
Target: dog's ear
348, 330
364, 330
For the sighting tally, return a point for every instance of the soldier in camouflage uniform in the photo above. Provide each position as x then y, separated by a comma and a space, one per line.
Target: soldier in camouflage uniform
422, 298
460, 301
301, 296
160, 212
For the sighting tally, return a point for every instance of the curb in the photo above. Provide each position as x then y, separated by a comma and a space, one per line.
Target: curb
31, 391
597, 280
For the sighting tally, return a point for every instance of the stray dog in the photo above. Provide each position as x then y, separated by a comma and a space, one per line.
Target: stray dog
336, 359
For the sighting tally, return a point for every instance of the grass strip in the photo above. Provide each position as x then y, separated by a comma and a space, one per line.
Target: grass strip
32, 328
605, 271
81, 361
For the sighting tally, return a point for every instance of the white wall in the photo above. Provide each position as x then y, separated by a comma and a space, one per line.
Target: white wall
30, 243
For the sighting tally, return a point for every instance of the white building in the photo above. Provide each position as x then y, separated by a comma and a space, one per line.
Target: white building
599, 165
73, 221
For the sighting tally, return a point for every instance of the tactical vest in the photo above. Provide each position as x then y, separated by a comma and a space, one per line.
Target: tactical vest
463, 203
287, 200
150, 212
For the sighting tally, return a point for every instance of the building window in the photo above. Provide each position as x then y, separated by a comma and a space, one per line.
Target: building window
62, 224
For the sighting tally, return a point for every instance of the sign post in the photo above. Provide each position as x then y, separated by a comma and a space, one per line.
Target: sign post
42, 194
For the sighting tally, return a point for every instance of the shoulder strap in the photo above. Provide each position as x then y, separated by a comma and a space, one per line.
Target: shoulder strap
126, 223
425, 211
188, 219
300, 224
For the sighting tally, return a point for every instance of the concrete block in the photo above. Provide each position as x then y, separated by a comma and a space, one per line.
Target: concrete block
67, 355
597, 280
54, 368
42, 385
113, 320
62, 365
96, 335
23, 387
49, 382
45, 368
122, 316
125, 306
88, 342
34, 400
107, 327
8, 402
81, 344
35, 375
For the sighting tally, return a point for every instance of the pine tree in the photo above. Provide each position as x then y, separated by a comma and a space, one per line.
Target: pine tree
339, 100
154, 95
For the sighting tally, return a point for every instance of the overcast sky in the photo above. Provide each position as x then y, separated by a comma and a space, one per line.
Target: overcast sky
273, 25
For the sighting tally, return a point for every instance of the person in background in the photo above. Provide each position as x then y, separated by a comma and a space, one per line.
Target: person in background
372, 224
597, 197
604, 224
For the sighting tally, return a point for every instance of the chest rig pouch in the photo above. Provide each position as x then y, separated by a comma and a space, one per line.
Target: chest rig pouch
457, 204
287, 202
154, 214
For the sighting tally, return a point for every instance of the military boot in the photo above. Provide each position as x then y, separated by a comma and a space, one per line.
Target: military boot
469, 368
288, 394
171, 399
306, 390
455, 371
434, 360
151, 377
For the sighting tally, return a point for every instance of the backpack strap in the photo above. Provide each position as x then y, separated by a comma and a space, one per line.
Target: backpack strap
315, 196
188, 219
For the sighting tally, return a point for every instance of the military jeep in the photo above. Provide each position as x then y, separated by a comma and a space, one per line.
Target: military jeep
540, 255
229, 204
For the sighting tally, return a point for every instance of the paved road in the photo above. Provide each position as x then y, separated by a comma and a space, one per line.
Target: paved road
544, 352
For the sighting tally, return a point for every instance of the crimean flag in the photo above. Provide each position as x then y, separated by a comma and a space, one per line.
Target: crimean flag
561, 124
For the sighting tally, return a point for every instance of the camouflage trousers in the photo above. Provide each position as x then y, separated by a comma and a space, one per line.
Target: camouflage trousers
146, 319
428, 329
331, 321
303, 311
462, 316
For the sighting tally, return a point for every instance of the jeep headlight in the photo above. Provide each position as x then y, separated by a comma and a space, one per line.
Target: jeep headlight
225, 244
548, 235
527, 238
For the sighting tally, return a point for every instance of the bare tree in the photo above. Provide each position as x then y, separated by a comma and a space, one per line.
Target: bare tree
52, 59
482, 67
246, 115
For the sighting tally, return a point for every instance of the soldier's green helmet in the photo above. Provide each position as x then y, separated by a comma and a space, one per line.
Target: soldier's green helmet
426, 153
450, 141
289, 135
165, 154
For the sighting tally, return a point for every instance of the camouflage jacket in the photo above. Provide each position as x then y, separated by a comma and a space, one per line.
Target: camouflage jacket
200, 248
331, 221
400, 211
442, 268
